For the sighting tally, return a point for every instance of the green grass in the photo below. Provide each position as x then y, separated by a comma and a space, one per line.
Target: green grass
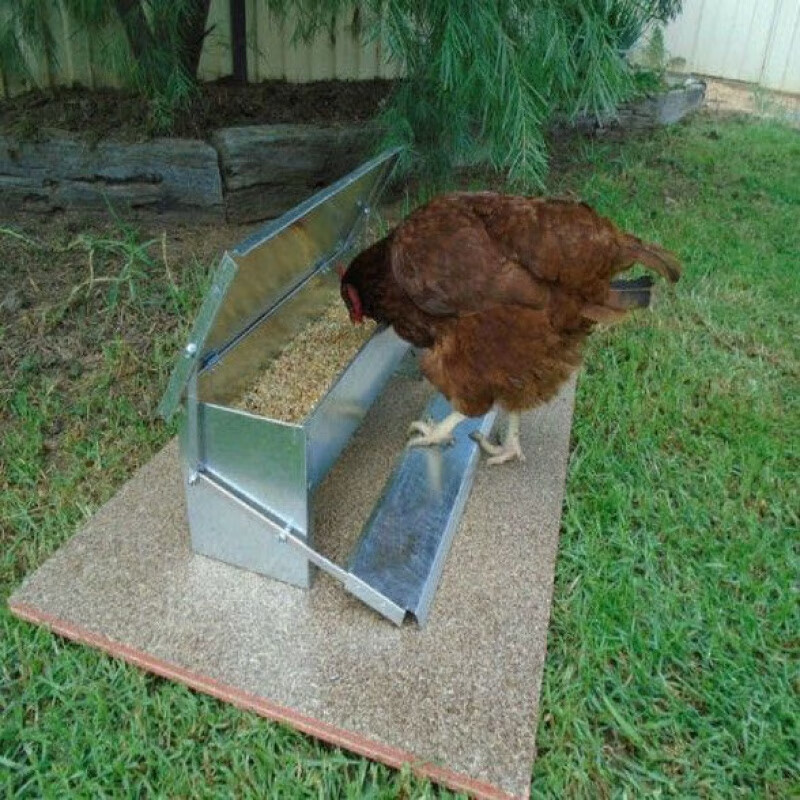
673, 646
672, 655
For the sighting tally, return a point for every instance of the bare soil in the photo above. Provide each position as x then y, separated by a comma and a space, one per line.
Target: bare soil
115, 112
733, 96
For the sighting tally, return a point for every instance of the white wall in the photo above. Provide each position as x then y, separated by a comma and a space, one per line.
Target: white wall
747, 40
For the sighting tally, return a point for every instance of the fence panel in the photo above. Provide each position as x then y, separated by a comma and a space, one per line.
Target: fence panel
747, 40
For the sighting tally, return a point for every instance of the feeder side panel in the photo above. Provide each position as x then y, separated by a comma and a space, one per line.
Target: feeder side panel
258, 275
224, 528
260, 459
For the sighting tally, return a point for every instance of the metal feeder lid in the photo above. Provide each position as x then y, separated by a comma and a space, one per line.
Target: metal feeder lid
260, 272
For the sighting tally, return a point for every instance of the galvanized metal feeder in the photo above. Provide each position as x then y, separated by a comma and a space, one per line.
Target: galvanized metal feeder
250, 481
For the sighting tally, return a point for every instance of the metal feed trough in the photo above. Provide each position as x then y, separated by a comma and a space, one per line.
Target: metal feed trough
250, 481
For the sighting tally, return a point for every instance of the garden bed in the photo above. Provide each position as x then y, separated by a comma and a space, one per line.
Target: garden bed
262, 148
100, 113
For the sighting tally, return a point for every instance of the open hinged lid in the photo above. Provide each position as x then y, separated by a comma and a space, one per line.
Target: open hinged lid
259, 273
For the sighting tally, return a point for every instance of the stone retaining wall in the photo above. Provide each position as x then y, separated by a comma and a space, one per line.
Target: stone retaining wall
666, 108
243, 175
267, 169
62, 171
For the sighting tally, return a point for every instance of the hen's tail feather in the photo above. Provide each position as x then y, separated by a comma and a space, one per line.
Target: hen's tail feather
623, 297
630, 294
652, 256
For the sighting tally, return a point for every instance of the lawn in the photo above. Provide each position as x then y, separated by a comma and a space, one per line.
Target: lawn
673, 655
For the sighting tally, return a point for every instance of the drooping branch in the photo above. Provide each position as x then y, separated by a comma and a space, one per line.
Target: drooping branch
480, 79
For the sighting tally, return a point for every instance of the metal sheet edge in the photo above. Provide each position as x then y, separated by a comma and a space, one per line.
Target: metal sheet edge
189, 356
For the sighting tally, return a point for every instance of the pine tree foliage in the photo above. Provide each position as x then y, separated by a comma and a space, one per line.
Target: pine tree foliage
482, 79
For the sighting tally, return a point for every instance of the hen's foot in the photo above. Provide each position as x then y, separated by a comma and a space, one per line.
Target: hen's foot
509, 450
432, 433
500, 453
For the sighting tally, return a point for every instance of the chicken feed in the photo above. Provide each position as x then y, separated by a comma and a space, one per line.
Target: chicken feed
297, 379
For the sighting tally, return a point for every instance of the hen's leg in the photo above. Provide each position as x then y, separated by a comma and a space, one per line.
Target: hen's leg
510, 448
434, 432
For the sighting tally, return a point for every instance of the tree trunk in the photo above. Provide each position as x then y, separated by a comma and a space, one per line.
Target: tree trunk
142, 39
194, 34
239, 40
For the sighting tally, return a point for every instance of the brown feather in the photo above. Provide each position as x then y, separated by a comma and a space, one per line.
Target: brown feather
653, 257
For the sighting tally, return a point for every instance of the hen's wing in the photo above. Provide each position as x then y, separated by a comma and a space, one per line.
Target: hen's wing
445, 260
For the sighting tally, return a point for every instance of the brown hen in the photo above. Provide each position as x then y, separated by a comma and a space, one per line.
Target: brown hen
500, 292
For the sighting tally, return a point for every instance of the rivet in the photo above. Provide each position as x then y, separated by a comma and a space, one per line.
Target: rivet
191, 349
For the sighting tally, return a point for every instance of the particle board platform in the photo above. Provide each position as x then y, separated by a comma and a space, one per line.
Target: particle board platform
457, 699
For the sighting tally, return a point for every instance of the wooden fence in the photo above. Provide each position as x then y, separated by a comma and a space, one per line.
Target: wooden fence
750, 40
270, 53
757, 41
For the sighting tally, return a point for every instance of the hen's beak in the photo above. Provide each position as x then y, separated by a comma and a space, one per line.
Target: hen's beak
341, 269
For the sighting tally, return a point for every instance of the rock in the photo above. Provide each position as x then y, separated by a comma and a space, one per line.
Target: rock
172, 177
674, 105
268, 169
666, 108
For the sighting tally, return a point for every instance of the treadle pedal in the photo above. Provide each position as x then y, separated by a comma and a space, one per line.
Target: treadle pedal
404, 544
